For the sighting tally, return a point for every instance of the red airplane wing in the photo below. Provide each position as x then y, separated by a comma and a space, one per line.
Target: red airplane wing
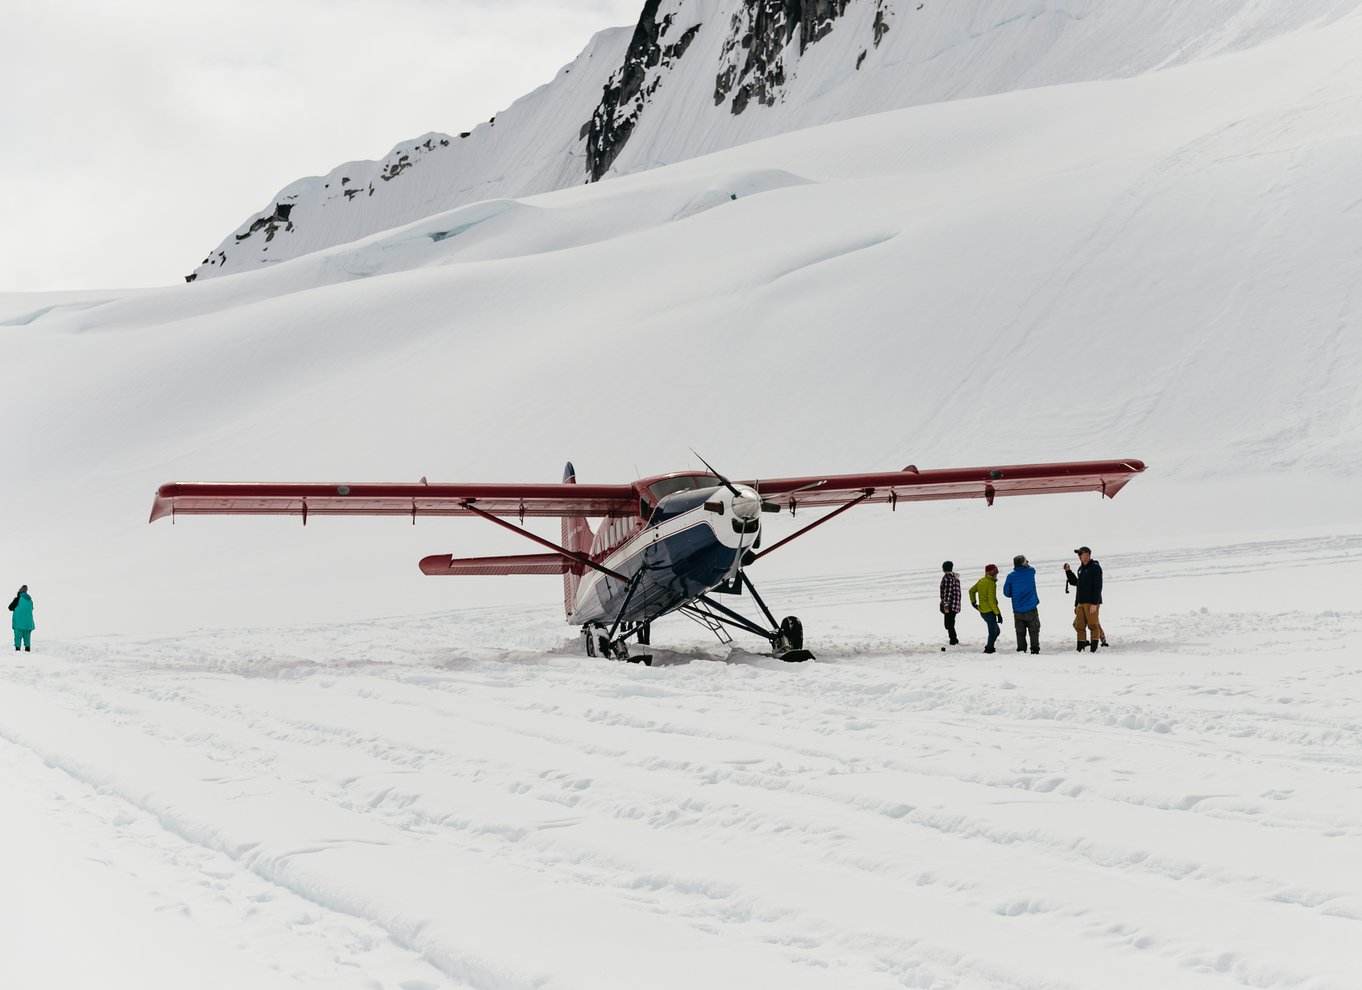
340, 499
910, 484
524, 563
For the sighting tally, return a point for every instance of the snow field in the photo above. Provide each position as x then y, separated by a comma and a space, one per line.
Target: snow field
406, 797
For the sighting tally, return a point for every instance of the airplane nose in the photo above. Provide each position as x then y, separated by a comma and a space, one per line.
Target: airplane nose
746, 504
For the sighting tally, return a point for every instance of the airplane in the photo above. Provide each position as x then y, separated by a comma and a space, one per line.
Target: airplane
665, 544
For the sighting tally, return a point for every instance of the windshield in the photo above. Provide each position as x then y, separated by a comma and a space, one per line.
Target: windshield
678, 502
685, 483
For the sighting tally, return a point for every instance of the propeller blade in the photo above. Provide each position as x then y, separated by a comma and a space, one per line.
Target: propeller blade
727, 484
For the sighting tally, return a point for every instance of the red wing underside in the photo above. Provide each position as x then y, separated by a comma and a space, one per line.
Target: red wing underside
212, 498
572, 500
911, 485
527, 563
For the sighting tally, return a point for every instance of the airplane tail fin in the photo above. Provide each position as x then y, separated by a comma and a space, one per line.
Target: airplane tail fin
576, 537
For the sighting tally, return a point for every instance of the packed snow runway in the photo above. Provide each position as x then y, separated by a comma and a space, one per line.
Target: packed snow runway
461, 799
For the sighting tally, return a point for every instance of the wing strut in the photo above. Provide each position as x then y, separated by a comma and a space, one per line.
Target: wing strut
816, 523
579, 558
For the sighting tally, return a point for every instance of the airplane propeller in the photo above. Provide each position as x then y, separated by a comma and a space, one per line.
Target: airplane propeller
756, 487
741, 511
727, 484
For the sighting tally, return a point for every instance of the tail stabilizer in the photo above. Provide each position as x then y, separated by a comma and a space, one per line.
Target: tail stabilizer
521, 563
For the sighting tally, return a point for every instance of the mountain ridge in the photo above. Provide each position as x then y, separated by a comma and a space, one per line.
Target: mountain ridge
695, 76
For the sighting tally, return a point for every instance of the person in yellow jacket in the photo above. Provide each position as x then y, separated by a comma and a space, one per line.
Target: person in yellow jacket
983, 595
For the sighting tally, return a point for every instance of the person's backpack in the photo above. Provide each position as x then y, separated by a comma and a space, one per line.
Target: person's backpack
14, 604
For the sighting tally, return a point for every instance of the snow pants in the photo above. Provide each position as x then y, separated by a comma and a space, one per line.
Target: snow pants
21, 637
991, 620
1087, 624
1027, 622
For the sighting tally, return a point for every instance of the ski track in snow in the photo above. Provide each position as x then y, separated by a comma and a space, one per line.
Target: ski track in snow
462, 800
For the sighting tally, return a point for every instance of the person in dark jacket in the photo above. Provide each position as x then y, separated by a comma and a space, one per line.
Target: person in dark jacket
22, 619
1020, 586
1087, 600
950, 599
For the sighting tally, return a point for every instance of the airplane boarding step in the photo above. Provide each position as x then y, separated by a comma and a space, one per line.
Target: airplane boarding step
698, 613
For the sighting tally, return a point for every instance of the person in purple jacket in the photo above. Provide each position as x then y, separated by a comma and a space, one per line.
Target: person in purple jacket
950, 599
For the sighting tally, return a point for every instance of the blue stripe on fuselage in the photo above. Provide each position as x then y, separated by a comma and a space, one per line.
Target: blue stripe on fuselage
677, 570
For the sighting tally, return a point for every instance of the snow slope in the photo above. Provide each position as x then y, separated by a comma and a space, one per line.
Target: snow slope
1161, 267
697, 76
247, 753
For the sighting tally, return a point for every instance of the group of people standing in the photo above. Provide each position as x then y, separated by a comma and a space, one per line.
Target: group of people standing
21, 619
1020, 587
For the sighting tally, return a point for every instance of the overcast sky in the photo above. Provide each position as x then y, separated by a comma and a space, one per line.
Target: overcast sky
135, 135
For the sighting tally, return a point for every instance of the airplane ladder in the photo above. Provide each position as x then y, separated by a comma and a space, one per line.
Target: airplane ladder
700, 613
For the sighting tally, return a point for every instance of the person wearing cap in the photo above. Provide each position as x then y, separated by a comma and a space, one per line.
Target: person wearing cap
22, 619
983, 595
1020, 586
950, 598
1087, 600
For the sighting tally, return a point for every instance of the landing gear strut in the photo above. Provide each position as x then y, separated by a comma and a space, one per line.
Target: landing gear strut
600, 642
786, 638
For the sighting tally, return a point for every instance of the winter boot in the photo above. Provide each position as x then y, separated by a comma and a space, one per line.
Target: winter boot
1035, 649
1092, 647
989, 649
1082, 645
1105, 643
27, 650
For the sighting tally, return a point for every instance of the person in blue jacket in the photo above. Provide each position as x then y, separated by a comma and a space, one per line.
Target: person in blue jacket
1020, 586
22, 620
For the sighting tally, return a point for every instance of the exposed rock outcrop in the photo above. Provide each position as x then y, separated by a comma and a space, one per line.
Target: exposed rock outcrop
653, 49
754, 54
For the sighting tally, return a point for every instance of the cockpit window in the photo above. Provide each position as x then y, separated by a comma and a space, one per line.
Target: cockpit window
677, 503
685, 483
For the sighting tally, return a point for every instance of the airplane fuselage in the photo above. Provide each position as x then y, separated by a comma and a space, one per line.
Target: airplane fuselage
689, 546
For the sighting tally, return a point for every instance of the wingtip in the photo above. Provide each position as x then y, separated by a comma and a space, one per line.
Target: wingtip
161, 507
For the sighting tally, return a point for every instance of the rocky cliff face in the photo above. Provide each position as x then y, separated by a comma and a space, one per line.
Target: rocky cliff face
747, 62
752, 60
754, 52
696, 76
653, 50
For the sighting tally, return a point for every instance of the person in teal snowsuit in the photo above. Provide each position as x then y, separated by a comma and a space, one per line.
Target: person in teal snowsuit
22, 621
